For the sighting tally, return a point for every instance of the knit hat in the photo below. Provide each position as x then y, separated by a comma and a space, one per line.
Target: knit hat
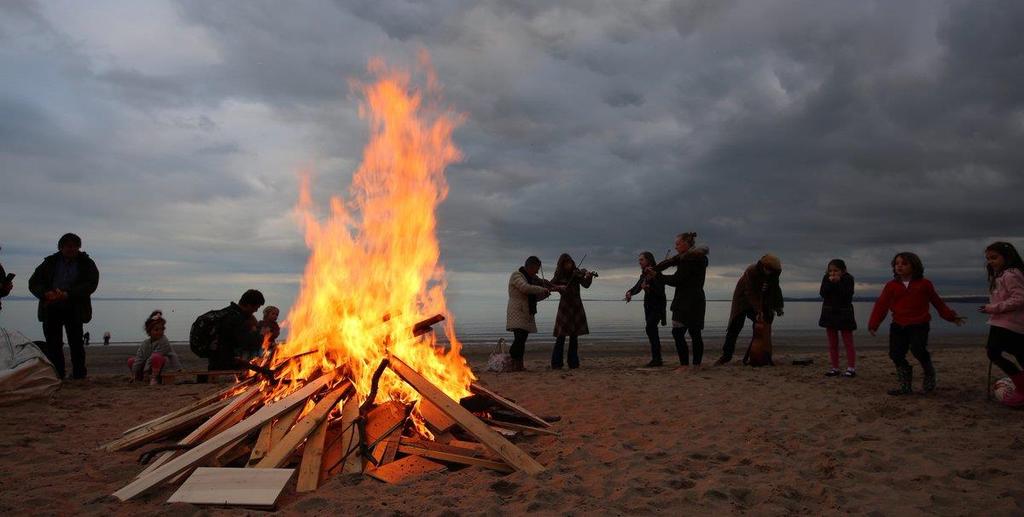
772, 262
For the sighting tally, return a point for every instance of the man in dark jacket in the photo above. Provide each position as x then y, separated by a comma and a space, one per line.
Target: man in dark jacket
757, 297
63, 283
236, 333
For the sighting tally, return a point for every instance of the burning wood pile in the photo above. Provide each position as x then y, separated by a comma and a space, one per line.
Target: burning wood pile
350, 391
321, 428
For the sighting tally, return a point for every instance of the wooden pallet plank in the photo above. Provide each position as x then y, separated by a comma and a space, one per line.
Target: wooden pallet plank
166, 428
281, 451
236, 487
508, 404
205, 429
436, 420
512, 455
312, 457
519, 427
455, 458
351, 440
211, 446
272, 433
212, 397
406, 470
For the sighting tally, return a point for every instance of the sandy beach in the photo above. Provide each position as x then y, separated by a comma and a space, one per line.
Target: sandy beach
768, 441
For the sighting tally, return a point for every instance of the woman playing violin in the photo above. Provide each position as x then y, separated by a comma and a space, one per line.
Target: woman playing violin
571, 320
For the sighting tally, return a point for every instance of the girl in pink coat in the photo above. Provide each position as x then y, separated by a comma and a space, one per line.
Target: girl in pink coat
1006, 314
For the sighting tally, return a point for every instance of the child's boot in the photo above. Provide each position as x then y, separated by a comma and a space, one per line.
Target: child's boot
1017, 398
928, 384
904, 376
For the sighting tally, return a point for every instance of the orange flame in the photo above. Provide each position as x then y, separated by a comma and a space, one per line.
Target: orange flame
373, 270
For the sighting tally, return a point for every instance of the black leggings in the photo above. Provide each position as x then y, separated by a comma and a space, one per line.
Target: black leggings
518, 348
913, 338
652, 336
574, 352
1002, 340
679, 334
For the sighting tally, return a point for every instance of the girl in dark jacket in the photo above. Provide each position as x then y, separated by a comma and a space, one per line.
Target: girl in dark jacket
689, 303
837, 316
654, 304
571, 320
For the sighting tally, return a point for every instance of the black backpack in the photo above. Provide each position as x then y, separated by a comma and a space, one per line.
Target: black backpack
202, 339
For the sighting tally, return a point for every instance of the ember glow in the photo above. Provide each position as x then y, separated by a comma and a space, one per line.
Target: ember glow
373, 271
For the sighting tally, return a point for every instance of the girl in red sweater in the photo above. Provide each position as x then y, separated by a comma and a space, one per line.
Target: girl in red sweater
907, 296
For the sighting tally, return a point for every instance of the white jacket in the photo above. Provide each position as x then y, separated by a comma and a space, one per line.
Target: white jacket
518, 312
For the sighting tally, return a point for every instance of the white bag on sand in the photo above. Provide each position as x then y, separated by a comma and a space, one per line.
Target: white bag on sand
500, 360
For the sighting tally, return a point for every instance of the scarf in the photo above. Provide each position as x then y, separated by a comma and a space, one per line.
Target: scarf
531, 298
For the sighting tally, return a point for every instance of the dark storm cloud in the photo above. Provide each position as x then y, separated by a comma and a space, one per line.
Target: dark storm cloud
809, 129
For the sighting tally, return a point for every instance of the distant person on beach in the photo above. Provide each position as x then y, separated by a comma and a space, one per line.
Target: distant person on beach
525, 289
85, 339
689, 302
571, 319
837, 316
6, 283
155, 355
1006, 314
269, 329
757, 297
63, 284
907, 296
653, 287
106, 338
234, 333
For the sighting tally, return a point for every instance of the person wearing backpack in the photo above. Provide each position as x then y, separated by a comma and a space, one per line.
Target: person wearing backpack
222, 336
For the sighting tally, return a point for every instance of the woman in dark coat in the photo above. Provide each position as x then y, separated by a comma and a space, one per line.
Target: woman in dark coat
571, 320
689, 303
654, 304
837, 316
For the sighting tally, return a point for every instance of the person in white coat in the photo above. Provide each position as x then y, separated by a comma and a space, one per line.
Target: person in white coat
525, 289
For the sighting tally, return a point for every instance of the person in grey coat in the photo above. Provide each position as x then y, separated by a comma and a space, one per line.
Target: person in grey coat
525, 289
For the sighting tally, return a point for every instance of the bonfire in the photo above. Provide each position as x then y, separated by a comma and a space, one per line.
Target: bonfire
362, 384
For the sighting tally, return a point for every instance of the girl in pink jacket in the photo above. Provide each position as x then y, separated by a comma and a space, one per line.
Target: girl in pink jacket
1006, 314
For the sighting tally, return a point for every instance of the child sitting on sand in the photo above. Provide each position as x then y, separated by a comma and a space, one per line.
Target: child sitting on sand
155, 354
837, 316
907, 295
1006, 314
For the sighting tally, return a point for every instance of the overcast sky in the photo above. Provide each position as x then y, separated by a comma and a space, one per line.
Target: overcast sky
168, 134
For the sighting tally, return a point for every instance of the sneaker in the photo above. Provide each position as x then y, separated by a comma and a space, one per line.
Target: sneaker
654, 364
850, 372
722, 360
833, 372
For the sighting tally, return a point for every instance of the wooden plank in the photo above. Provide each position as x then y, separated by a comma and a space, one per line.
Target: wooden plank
477, 448
213, 397
436, 420
508, 404
164, 429
279, 454
455, 458
351, 440
434, 446
312, 457
272, 433
384, 419
519, 427
333, 454
211, 446
208, 373
512, 455
406, 470
237, 487
237, 402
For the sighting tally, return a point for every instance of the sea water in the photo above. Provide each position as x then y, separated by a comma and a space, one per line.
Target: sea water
479, 321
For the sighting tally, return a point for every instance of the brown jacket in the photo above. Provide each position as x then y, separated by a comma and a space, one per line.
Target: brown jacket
756, 292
